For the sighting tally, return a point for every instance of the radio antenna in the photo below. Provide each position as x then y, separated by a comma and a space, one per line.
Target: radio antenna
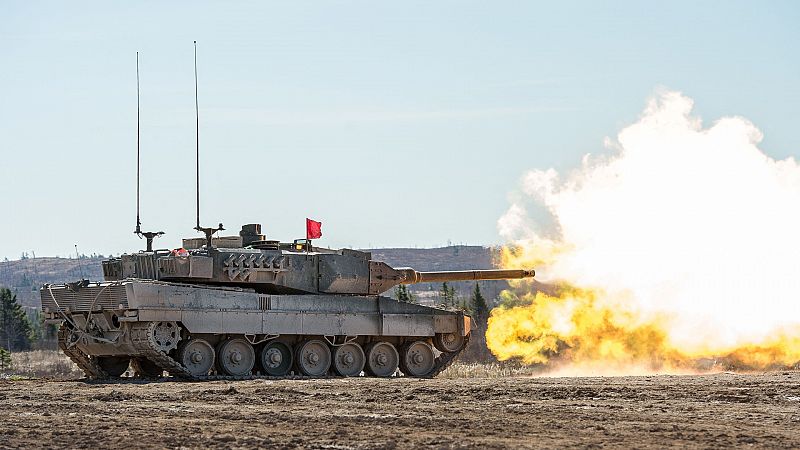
138, 221
197, 138
208, 231
78, 255
149, 235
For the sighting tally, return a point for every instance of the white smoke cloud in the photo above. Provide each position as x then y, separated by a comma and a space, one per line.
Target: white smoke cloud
694, 222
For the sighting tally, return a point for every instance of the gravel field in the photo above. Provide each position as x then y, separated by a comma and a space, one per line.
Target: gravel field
722, 410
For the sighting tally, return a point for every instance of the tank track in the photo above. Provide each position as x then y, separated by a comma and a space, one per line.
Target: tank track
85, 362
443, 361
148, 349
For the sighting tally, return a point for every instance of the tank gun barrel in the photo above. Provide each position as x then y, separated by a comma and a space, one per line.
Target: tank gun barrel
411, 276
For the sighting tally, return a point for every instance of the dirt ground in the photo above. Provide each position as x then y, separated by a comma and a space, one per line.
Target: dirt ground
721, 410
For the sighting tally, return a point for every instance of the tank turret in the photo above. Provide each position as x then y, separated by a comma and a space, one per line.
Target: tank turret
271, 267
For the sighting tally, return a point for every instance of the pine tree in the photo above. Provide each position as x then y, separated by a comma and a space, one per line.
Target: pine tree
444, 294
40, 331
448, 295
400, 292
5, 360
465, 306
478, 303
403, 294
16, 332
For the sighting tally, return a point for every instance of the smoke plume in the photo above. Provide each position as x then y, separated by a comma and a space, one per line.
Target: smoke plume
678, 247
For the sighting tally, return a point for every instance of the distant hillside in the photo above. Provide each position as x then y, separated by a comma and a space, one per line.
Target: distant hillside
459, 257
26, 276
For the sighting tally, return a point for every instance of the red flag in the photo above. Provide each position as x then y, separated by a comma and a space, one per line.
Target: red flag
313, 229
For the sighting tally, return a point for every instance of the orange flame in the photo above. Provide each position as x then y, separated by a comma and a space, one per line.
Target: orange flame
591, 330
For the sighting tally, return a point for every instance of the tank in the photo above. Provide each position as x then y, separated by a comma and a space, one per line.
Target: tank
238, 307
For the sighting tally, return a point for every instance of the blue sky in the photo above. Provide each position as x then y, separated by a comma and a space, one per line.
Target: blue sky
395, 124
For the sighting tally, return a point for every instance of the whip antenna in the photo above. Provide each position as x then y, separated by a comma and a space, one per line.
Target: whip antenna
208, 231
78, 255
138, 221
148, 235
197, 138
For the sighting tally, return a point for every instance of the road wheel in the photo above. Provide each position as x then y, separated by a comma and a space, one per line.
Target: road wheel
382, 359
313, 358
275, 359
416, 359
197, 356
235, 357
349, 360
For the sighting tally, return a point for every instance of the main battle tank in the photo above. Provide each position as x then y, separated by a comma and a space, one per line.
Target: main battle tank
244, 306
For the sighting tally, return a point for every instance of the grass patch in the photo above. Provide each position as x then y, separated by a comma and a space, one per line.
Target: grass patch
489, 370
42, 364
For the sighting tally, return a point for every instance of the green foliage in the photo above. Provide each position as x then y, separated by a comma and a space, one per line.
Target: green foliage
15, 328
402, 293
466, 306
5, 360
447, 295
41, 332
478, 303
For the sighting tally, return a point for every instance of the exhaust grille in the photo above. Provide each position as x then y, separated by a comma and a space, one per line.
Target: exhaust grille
264, 302
83, 298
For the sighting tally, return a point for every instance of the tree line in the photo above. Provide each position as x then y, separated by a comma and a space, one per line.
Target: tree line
18, 331
476, 305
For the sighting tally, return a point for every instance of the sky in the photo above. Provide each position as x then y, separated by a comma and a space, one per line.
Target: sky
394, 123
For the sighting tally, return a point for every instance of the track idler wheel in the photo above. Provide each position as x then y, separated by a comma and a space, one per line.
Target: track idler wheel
114, 366
449, 342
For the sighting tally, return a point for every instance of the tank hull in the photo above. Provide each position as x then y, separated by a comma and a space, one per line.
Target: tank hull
152, 321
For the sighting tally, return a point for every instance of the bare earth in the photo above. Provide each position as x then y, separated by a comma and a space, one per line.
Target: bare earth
720, 410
